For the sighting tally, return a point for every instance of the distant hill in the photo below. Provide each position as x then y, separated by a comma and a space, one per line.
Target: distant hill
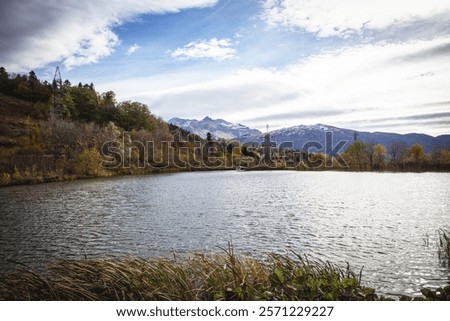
218, 128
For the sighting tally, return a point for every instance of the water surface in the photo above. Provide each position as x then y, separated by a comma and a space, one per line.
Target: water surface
385, 222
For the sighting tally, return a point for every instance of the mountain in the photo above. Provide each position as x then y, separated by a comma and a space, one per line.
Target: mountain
300, 135
218, 128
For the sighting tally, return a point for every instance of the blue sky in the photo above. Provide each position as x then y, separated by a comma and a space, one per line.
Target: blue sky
368, 65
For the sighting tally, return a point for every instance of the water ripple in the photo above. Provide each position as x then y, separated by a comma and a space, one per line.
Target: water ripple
374, 220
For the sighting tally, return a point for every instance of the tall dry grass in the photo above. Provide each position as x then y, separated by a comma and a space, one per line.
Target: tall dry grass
444, 247
200, 277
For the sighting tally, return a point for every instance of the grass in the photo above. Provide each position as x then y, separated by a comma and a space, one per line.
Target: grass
441, 294
200, 277
444, 247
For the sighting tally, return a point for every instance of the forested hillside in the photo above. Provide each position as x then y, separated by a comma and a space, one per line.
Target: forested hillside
90, 135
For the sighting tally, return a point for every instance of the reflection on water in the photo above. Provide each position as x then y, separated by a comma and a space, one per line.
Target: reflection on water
376, 220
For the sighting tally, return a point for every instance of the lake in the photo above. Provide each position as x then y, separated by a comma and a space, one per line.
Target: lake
386, 222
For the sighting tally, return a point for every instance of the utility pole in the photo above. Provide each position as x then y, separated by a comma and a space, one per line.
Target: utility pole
57, 92
267, 147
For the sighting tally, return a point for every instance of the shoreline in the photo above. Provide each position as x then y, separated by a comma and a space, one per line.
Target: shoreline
36, 180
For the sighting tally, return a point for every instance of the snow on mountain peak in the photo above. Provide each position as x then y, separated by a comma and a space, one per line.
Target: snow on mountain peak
218, 128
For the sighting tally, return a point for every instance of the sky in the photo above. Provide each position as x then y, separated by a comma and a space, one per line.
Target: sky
366, 65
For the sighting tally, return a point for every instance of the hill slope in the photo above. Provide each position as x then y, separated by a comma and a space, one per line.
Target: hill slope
14, 113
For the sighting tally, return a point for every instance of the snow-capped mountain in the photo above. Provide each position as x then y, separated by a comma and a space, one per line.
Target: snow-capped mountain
218, 128
300, 135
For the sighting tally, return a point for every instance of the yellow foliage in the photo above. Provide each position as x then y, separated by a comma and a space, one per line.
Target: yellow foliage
89, 163
16, 175
5, 179
416, 154
379, 154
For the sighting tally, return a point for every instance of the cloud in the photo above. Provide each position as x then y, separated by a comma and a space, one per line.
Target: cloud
425, 116
217, 49
433, 118
133, 49
351, 17
298, 115
429, 53
39, 32
338, 87
433, 104
438, 126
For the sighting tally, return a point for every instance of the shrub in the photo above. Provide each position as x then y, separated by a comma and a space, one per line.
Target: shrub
5, 179
88, 163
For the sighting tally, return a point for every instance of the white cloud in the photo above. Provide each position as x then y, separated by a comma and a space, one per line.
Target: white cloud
75, 31
133, 49
217, 49
346, 17
356, 87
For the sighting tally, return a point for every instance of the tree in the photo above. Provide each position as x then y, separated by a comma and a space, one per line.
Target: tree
370, 152
61, 136
4, 80
108, 110
396, 151
134, 115
379, 155
356, 154
416, 154
69, 108
3, 72
86, 104
444, 157
33, 80
108, 99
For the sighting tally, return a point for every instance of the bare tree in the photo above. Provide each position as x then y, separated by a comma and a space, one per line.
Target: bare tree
396, 151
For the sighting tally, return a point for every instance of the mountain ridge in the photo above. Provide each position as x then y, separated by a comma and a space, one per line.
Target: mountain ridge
302, 134
219, 128
299, 135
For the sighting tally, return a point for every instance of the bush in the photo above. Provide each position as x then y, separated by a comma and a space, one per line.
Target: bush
88, 163
5, 179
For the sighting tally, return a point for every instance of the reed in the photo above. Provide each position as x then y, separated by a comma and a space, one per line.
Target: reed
200, 277
444, 247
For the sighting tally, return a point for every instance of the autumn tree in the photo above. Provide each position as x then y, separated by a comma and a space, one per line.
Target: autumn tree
379, 155
416, 154
356, 154
61, 137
